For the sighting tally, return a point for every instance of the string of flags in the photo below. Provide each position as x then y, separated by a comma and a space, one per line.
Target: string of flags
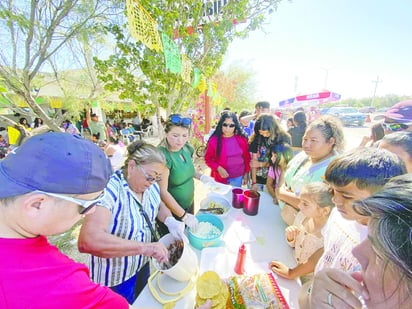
144, 28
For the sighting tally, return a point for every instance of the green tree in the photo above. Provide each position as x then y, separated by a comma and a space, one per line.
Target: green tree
140, 74
237, 85
37, 34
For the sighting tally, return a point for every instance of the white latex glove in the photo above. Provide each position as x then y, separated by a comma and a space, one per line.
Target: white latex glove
206, 179
191, 221
176, 228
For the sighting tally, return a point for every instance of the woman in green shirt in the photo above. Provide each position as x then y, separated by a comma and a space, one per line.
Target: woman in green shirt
177, 185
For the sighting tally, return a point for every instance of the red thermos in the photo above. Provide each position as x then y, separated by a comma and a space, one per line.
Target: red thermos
241, 258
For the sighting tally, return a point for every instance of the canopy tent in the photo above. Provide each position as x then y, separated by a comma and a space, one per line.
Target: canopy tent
309, 100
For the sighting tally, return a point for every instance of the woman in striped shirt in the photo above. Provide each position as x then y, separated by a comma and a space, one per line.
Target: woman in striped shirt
120, 234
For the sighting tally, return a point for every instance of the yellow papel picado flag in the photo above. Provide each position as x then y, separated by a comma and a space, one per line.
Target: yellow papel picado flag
142, 26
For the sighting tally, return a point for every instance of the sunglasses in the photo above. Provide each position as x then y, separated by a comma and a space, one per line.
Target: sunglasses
85, 204
232, 125
180, 121
394, 127
148, 177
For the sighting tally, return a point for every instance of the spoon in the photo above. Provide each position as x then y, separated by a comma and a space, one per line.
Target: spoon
217, 210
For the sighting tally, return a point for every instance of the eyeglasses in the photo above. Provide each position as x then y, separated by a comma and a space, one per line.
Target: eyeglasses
232, 125
180, 121
85, 204
148, 177
394, 126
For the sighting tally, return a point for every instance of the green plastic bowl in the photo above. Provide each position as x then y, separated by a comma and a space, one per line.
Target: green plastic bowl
200, 243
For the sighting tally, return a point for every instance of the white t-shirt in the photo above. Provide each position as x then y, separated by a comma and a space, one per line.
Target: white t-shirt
340, 237
118, 157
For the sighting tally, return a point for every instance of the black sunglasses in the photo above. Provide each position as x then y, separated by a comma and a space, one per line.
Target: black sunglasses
232, 125
180, 121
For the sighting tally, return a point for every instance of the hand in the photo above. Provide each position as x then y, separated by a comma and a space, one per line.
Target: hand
291, 232
176, 228
280, 269
191, 221
255, 187
335, 288
222, 172
156, 250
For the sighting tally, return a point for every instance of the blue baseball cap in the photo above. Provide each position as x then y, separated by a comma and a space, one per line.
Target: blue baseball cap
56, 163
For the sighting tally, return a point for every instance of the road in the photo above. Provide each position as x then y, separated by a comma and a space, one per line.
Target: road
354, 135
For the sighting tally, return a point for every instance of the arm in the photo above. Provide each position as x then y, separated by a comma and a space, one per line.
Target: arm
365, 141
210, 154
95, 239
271, 190
300, 270
288, 197
88, 118
253, 167
164, 212
247, 118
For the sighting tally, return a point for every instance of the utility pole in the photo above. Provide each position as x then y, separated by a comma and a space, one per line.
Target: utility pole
377, 81
295, 90
326, 76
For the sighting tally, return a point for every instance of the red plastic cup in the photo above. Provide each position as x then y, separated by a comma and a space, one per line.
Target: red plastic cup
237, 198
251, 202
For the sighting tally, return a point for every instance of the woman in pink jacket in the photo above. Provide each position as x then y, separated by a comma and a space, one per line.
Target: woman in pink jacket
227, 152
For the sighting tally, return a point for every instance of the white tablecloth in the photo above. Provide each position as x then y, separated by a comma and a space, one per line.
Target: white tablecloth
264, 235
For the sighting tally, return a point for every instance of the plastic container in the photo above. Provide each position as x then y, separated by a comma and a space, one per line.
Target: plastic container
200, 243
213, 200
186, 266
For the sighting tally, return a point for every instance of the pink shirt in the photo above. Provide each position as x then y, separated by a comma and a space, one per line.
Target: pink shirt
35, 274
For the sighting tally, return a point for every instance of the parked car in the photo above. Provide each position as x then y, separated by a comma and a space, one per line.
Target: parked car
348, 115
367, 110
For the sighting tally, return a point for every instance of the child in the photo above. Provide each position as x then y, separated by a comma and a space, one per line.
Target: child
305, 233
281, 155
352, 176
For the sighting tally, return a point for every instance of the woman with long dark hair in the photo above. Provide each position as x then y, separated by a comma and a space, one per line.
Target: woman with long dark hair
227, 152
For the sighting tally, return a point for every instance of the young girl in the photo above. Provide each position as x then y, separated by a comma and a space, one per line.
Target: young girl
281, 155
305, 233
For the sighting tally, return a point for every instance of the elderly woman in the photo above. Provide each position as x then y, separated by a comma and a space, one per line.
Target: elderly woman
385, 280
227, 153
177, 186
322, 140
120, 234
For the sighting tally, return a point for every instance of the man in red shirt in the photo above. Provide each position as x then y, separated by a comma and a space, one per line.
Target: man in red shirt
47, 184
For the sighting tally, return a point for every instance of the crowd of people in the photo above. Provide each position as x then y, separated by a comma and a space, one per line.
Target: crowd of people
347, 212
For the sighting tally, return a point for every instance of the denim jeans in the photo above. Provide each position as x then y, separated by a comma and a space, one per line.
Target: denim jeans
132, 287
235, 182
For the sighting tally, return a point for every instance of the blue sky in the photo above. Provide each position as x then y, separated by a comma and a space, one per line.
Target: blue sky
352, 41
